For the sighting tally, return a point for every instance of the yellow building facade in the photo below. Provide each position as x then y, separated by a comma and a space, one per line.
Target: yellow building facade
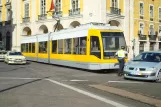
31, 17
147, 25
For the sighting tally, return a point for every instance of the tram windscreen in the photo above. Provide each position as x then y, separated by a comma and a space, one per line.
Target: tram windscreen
112, 41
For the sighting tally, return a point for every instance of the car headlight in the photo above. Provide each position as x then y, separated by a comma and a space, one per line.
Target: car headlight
153, 74
152, 69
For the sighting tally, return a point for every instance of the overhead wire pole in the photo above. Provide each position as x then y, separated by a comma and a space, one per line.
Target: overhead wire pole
57, 20
53, 10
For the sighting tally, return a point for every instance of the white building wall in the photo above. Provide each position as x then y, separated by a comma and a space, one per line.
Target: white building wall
16, 25
94, 11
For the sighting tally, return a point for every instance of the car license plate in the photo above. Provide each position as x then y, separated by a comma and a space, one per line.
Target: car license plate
18, 60
136, 73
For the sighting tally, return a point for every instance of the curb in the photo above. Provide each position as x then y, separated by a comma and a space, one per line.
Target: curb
134, 96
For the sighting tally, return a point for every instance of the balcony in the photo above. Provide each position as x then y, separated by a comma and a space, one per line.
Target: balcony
160, 20
26, 19
141, 36
151, 19
58, 13
141, 17
115, 10
74, 12
42, 17
159, 38
152, 37
8, 22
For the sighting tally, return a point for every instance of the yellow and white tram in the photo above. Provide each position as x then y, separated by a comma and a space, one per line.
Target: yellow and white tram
89, 46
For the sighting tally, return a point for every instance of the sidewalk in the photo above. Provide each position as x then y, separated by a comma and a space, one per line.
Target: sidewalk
128, 94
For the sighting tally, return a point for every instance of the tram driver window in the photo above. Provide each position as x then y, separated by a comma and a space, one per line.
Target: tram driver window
43, 47
95, 46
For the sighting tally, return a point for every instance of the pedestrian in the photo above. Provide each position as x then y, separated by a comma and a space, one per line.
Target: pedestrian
121, 54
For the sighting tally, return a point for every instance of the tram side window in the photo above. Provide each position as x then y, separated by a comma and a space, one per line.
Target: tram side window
83, 45
67, 46
79, 45
75, 45
95, 47
33, 47
27, 46
60, 46
30, 47
23, 48
43, 47
54, 46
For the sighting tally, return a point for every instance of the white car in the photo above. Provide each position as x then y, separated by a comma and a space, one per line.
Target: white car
2, 55
13, 57
145, 66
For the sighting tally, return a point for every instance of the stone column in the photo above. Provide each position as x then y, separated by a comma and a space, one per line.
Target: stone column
156, 46
137, 43
147, 46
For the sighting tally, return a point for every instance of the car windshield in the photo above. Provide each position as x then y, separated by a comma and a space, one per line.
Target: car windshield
148, 57
15, 53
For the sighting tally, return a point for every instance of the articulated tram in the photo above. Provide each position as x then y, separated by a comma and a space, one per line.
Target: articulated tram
88, 46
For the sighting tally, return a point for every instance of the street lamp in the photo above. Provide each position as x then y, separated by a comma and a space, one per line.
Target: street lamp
56, 18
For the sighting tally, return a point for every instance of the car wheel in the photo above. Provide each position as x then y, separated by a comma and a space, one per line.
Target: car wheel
158, 80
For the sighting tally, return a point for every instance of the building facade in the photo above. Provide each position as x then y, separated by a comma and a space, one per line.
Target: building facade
5, 25
146, 25
32, 17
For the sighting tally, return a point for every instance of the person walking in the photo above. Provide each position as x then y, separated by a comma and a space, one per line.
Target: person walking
121, 54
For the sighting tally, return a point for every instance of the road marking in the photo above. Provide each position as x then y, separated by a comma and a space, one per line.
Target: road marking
17, 78
78, 80
125, 82
88, 94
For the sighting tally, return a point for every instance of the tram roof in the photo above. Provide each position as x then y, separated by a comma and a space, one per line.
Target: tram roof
80, 31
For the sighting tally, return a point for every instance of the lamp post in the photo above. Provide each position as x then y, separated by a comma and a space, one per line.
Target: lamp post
57, 20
